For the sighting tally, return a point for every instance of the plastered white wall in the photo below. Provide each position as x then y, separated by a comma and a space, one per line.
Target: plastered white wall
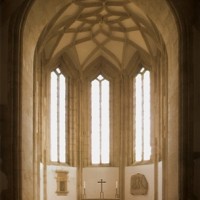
91, 176
52, 184
148, 171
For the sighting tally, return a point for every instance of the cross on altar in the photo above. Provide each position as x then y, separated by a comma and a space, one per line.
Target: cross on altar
101, 184
101, 193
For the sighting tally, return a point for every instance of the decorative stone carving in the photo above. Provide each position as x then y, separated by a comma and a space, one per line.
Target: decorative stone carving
139, 184
62, 177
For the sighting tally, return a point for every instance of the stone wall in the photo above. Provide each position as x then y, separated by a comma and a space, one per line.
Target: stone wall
196, 136
7, 89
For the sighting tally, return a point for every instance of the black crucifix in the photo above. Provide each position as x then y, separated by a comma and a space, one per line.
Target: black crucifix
101, 193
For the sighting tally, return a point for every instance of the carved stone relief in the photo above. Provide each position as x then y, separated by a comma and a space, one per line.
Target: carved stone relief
62, 178
139, 184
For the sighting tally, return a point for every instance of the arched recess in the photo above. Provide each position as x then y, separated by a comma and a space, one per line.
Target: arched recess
33, 26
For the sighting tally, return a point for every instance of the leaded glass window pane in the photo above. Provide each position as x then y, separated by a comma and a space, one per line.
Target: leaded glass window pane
142, 116
100, 122
58, 117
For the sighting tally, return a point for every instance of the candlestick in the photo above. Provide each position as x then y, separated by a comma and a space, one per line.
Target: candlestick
84, 184
84, 191
116, 192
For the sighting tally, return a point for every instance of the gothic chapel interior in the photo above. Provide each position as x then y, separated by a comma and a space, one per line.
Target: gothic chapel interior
99, 99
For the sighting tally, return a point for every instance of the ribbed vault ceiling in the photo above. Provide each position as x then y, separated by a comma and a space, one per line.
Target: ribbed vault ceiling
88, 29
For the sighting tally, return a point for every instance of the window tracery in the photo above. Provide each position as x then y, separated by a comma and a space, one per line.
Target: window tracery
100, 121
58, 117
142, 116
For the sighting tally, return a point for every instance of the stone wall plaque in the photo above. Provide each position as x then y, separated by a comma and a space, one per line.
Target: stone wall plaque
139, 184
62, 178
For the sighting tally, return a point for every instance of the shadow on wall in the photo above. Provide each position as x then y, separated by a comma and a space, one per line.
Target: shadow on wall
3, 180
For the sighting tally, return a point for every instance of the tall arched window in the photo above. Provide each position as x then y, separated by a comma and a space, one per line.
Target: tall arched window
58, 111
100, 121
142, 116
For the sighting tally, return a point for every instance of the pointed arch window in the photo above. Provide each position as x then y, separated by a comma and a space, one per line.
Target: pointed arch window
100, 121
142, 116
58, 105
